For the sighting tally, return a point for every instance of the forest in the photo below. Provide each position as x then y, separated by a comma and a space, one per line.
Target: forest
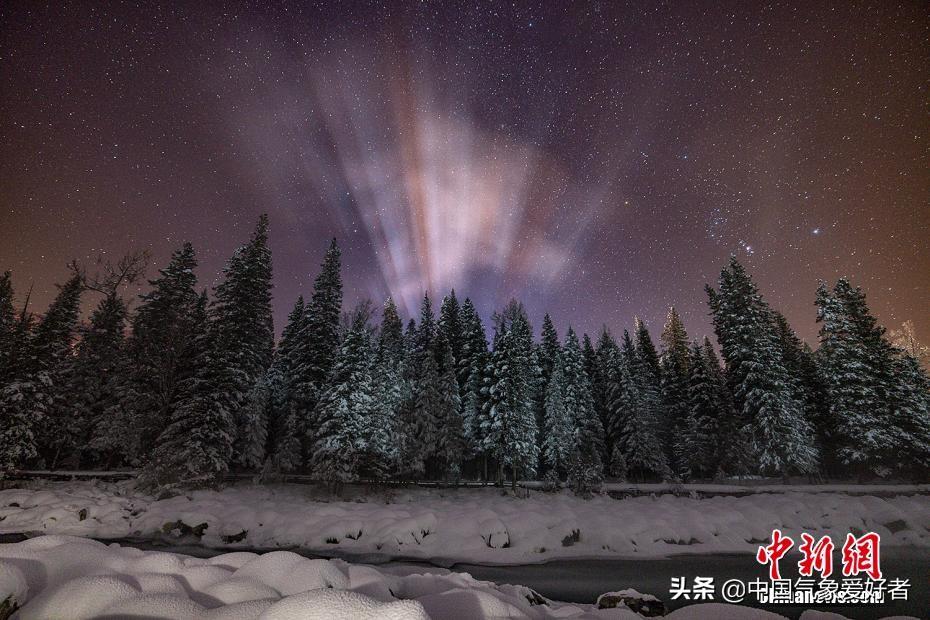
185, 387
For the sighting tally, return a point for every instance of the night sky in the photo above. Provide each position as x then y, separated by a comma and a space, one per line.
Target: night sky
595, 160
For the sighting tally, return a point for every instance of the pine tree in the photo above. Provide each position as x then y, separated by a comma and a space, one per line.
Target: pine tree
426, 330
7, 326
782, 439
162, 330
875, 409
390, 384
94, 383
547, 353
100, 363
589, 356
317, 345
423, 427
450, 423
910, 404
242, 318
700, 435
283, 448
648, 377
53, 341
675, 363
804, 377
559, 421
40, 358
509, 427
195, 448
638, 451
450, 325
349, 443
604, 375
581, 457
391, 337
473, 379
733, 439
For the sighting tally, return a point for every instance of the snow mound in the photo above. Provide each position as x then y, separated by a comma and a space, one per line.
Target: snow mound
13, 584
342, 605
76, 578
290, 573
69, 577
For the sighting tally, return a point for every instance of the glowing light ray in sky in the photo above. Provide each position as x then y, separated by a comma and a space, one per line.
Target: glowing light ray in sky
445, 201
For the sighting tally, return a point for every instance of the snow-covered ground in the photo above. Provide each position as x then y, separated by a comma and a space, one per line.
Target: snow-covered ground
67, 577
466, 525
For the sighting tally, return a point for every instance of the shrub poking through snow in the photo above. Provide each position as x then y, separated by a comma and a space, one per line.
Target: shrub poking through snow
179, 529
572, 538
234, 538
645, 605
7, 607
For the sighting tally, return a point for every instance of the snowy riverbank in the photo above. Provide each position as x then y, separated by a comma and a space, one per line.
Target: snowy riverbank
467, 525
75, 578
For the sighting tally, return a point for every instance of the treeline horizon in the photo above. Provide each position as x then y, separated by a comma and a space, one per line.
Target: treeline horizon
187, 387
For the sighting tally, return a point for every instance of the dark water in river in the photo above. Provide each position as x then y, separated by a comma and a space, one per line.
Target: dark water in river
581, 581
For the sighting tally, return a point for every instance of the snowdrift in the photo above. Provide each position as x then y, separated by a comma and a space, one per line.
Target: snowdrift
51, 577
465, 525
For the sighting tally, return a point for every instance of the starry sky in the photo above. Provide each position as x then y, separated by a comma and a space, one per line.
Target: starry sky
597, 160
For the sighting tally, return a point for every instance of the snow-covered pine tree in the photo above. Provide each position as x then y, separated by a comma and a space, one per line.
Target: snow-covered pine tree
510, 425
53, 342
283, 449
803, 374
638, 451
7, 325
241, 315
601, 382
782, 439
585, 467
426, 330
31, 399
675, 363
94, 383
423, 428
558, 423
856, 394
349, 443
195, 448
391, 335
612, 363
390, 385
910, 404
700, 436
733, 438
162, 330
450, 424
473, 376
874, 412
250, 424
410, 338
317, 345
547, 353
450, 325
589, 355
